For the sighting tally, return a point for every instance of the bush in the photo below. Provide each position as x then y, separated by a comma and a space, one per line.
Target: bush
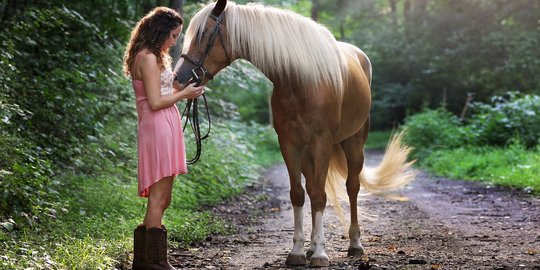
246, 87
66, 78
431, 130
60, 83
508, 117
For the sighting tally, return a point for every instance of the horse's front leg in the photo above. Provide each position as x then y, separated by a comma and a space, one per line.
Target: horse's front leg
315, 168
291, 154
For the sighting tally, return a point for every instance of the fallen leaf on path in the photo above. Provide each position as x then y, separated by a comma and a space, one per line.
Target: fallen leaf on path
397, 198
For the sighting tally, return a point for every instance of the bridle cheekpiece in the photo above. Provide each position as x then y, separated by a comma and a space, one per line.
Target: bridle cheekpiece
199, 72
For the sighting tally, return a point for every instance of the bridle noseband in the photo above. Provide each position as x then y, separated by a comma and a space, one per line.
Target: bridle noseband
199, 72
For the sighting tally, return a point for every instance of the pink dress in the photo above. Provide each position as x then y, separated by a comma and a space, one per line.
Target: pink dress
161, 148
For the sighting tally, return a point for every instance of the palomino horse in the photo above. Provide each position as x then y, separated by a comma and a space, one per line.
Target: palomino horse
320, 105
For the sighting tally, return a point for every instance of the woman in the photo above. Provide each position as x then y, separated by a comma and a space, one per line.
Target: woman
161, 150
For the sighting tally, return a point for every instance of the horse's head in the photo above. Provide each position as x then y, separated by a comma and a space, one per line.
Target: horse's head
206, 48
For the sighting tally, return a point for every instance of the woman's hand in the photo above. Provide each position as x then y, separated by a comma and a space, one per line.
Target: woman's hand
177, 86
192, 92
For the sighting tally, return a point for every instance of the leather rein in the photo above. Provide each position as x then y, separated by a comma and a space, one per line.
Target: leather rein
199, 72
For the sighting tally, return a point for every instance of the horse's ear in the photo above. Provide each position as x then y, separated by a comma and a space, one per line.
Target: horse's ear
220, 6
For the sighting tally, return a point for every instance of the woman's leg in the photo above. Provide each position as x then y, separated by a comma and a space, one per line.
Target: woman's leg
158, 201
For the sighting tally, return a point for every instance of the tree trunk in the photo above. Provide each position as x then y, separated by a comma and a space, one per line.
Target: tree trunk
393, 8
175, 51
3, 5
177, 5
407, 9
315, 6
147, 6
341, 13
420, 7
10, 9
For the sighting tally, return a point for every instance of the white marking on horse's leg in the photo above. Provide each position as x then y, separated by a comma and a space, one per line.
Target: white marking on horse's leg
297, 256
299, 237
317, 239
354, 235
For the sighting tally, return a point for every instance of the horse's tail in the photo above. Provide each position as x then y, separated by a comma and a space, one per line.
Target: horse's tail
393, 172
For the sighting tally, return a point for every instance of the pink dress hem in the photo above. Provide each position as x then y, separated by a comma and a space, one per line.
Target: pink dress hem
146, 190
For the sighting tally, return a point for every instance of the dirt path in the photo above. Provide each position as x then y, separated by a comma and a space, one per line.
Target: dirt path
433, 224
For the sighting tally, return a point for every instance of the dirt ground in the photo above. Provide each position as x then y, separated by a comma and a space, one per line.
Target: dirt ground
434, 223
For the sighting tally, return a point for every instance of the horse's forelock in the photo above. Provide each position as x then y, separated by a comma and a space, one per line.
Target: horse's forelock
196, 26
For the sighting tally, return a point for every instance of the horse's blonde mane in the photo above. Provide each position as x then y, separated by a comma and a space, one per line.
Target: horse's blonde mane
281, 43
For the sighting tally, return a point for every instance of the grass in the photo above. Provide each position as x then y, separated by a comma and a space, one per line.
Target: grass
514, 166
377, 140
93, 228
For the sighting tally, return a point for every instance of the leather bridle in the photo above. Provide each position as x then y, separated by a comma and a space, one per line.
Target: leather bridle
199, 72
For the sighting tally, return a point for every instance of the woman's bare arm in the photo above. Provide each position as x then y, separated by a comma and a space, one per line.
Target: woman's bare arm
151, 76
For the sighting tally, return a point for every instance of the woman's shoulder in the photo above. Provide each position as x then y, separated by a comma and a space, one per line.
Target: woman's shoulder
145, 62
146, 56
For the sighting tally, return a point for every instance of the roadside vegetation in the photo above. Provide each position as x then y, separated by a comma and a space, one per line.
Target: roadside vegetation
68, 152
498, 142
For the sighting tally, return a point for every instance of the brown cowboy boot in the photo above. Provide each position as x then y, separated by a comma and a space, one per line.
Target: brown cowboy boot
139, 248
156, 249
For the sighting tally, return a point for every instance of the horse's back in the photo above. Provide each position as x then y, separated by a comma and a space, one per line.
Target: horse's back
359, 55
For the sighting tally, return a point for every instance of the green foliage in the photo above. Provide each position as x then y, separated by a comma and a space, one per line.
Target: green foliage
62, 83
514, 166
245, 86
507, 118
378, 140
426, 53
497, 124
497, 145
99, 207
67, 78
228, 157
432, 130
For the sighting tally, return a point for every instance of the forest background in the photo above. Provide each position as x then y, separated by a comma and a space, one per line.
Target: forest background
460, 75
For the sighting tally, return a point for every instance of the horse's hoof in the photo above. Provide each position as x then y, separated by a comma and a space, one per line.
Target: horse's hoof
355, 252
309, 253
319, 262
295, 259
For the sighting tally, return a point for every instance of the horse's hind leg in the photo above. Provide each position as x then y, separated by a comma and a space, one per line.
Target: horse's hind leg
291, 155
353, 149
315, 168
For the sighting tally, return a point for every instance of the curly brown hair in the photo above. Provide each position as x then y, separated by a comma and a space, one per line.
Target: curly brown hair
150, 33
